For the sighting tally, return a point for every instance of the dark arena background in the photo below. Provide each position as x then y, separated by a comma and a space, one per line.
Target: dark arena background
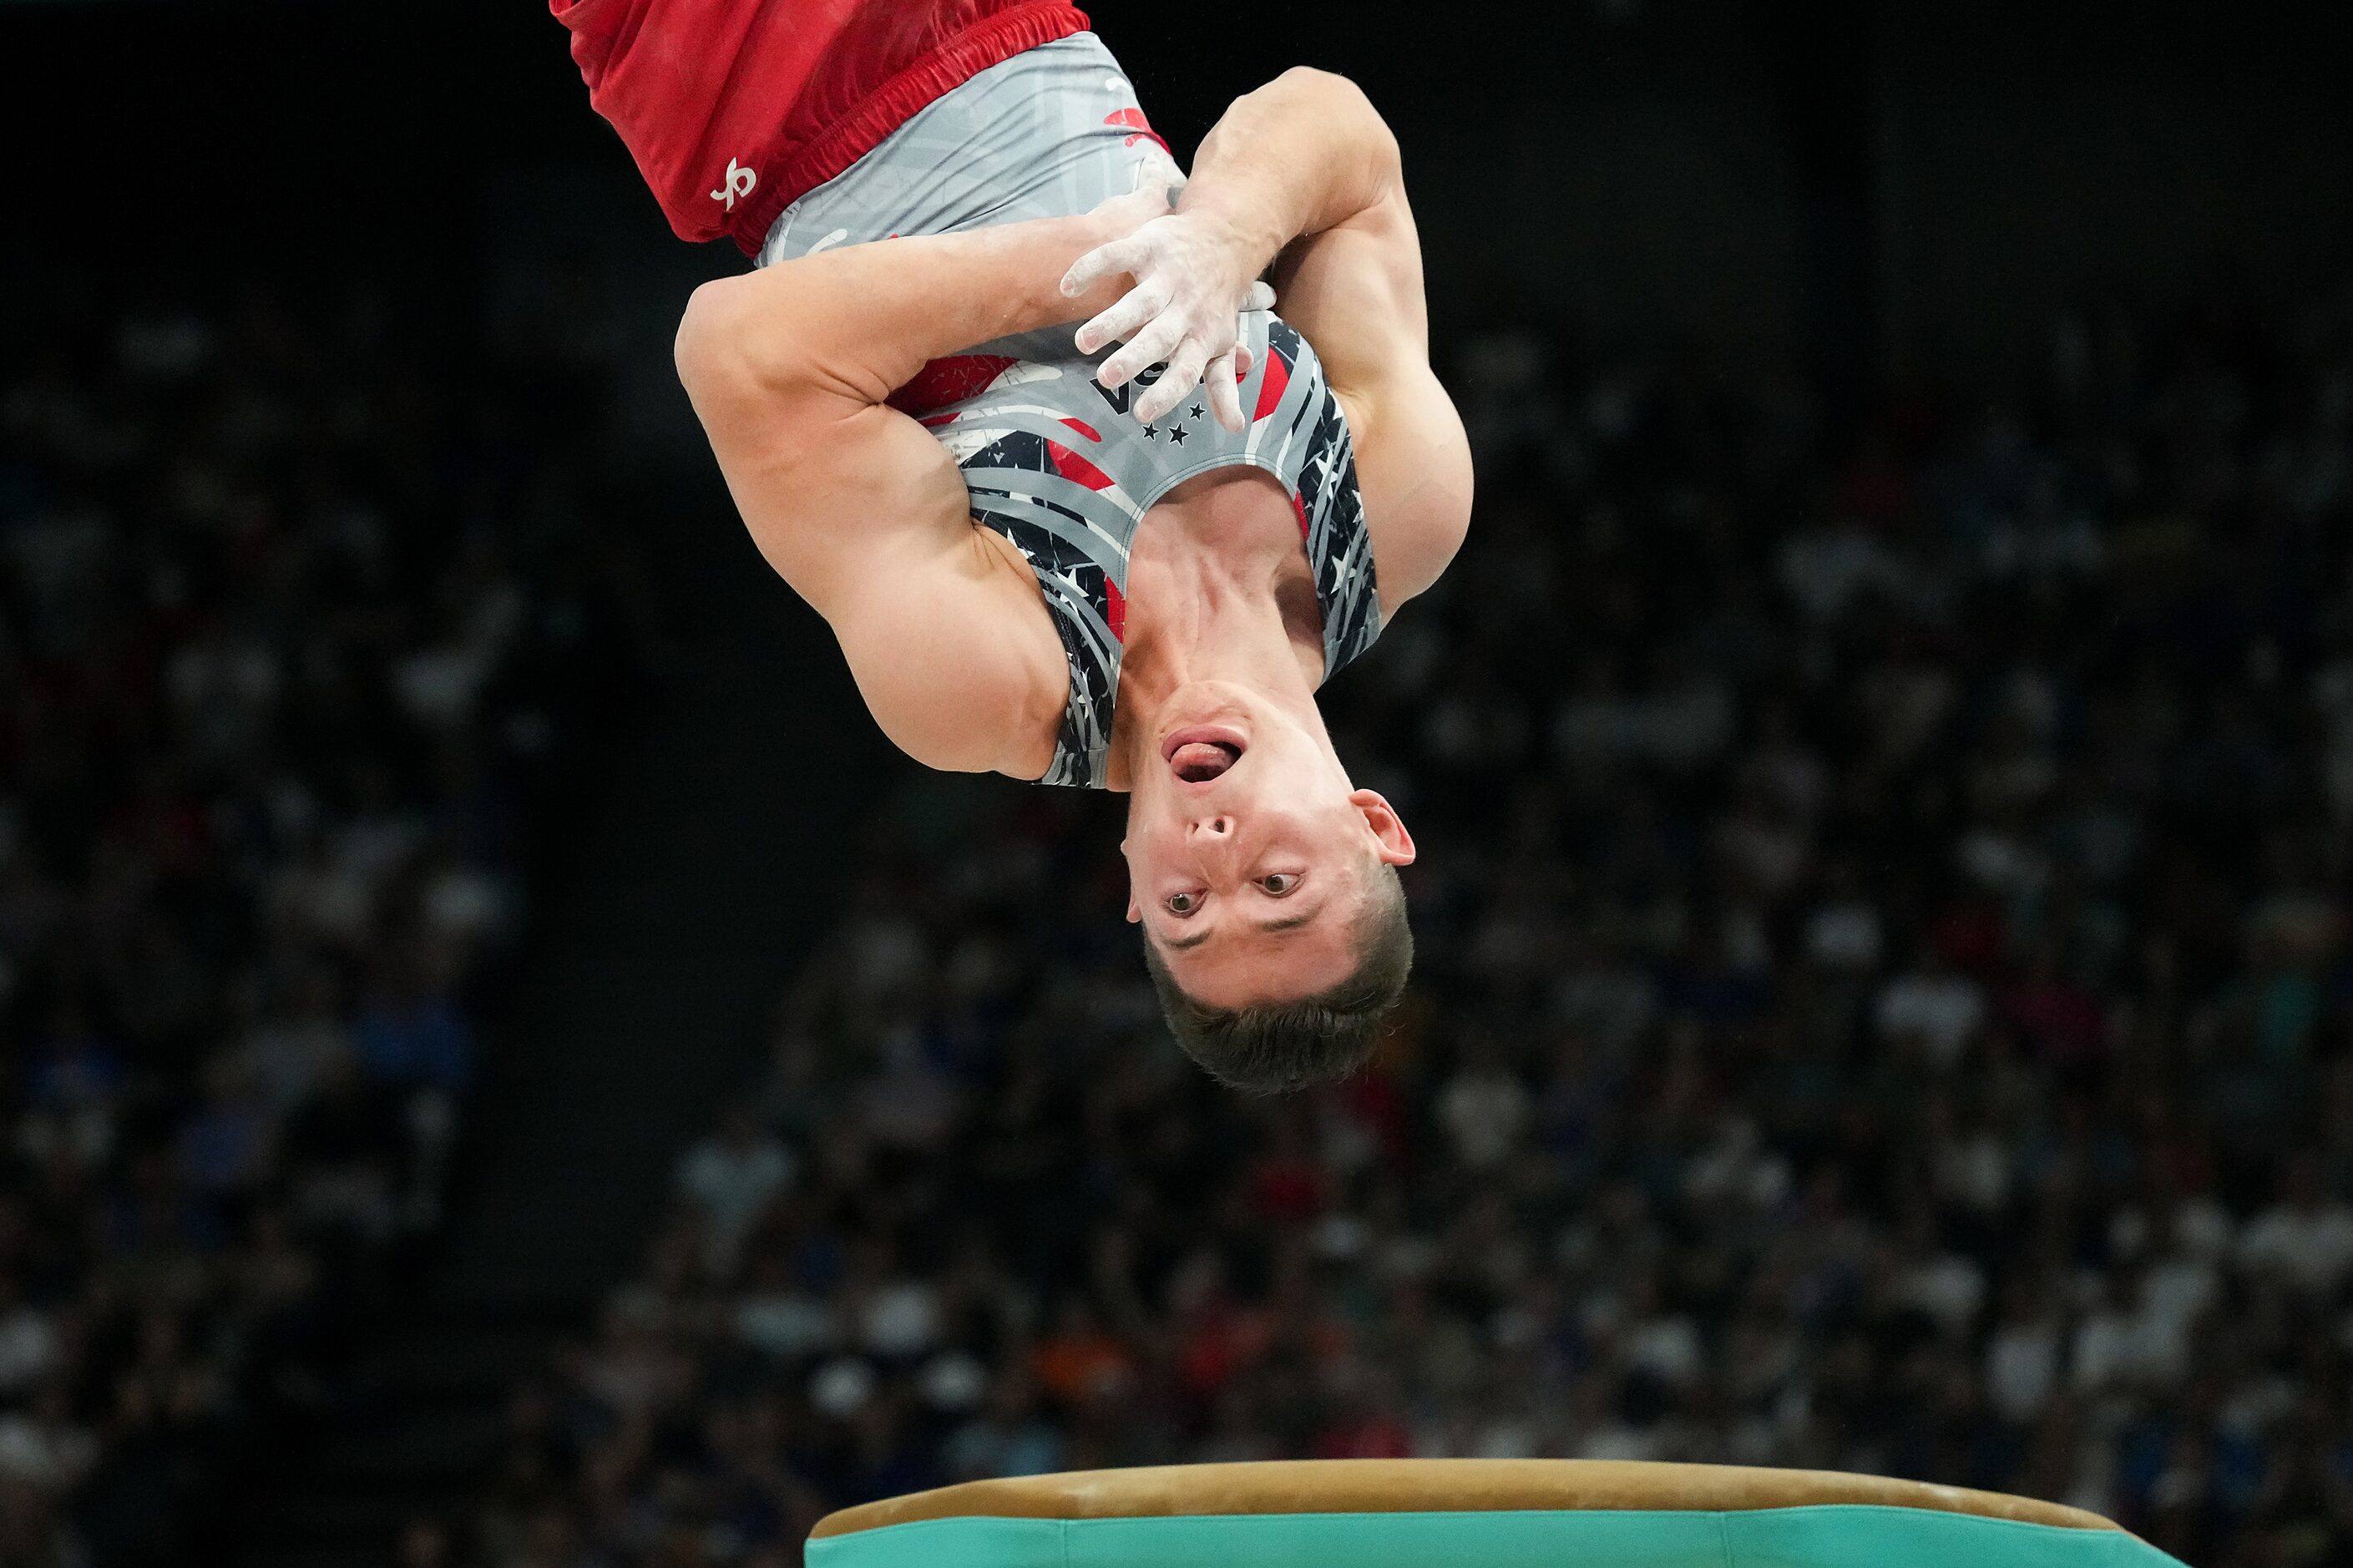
501, 1067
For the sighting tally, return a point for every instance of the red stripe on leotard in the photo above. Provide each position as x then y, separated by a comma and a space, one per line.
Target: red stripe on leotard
1269, 391
1077, 469
950, 380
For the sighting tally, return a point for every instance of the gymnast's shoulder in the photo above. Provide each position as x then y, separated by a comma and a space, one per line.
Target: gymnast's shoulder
964, 670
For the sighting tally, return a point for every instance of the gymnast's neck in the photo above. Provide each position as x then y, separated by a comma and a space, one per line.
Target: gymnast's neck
1218, 590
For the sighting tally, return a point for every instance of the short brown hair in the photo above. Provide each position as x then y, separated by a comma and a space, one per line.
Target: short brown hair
1276, 1048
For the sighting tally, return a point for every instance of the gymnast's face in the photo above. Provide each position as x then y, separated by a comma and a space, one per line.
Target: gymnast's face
1249, 853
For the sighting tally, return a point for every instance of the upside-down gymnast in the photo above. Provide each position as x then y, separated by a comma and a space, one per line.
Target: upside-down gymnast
1005, 403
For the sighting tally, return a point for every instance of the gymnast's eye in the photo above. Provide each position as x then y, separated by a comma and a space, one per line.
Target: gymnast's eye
1182, 904
1278, 884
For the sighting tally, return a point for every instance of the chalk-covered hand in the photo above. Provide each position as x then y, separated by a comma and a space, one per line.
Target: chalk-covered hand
1192, 277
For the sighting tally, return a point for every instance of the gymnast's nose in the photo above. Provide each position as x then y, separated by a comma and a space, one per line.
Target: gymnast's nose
1212, 839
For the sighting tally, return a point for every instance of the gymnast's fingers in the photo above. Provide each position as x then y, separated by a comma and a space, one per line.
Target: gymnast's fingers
1121, 320
1148, 347
1259, 296
1220, 381
1105, 261
1183, 374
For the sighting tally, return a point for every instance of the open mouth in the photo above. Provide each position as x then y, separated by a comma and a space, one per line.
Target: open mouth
1198, 755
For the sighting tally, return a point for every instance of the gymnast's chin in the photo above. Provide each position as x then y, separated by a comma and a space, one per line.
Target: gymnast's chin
1266, 885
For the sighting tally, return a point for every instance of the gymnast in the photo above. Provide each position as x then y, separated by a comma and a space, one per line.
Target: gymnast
1005, 401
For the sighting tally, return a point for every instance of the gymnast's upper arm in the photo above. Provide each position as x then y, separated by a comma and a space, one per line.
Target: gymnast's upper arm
865, 514
1355, 291
829, 480
788, 368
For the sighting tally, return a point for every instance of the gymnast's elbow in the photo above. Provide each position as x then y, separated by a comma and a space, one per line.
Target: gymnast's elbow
1338, 102
710, 351
724, 350
748, 352
732, 348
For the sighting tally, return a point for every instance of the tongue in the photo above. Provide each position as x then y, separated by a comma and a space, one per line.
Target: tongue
1199, 759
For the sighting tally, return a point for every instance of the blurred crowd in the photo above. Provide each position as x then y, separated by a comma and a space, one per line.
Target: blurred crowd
1883, 1004
293, 607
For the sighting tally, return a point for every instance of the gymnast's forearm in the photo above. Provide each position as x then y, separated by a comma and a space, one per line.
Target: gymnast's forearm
1304, 153
861, 321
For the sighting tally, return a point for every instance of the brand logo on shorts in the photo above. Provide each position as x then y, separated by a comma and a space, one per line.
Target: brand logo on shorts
1133, 122
739, 182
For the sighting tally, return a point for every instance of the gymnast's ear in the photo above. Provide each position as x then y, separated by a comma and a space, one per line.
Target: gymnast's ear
1134, 912
1389, 828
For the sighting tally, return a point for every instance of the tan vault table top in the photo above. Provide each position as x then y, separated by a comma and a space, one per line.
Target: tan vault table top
1429, 1486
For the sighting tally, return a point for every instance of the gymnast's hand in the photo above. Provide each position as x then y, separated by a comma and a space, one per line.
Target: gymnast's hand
1191, 278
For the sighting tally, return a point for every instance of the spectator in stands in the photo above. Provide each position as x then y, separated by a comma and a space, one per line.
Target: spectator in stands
729, 1177
257, 690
